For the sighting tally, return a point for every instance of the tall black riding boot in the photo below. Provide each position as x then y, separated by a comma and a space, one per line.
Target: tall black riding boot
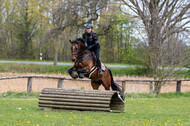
101, 71
99, 64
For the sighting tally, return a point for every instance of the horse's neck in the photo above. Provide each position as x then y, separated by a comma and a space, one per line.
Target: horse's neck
91, 55
82, 48
87, 53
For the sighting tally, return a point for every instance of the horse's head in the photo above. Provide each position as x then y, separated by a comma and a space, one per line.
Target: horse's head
77, 47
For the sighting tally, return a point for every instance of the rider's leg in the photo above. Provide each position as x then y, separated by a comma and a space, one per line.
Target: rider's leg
97, 53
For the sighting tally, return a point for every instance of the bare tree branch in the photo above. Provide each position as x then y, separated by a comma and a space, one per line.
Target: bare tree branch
163, 20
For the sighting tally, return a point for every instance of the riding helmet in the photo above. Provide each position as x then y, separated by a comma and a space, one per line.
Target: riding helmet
89, 26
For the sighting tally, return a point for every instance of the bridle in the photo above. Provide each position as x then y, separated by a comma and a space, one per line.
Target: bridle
74, 54
80, 54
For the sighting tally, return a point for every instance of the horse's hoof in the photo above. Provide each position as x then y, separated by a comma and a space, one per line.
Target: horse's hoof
74, 76
81, 75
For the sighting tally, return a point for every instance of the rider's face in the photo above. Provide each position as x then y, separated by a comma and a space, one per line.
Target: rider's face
88, 30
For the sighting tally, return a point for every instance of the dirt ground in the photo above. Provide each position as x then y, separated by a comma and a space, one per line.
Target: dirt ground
19, 85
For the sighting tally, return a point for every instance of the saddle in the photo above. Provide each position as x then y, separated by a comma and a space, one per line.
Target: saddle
103, 66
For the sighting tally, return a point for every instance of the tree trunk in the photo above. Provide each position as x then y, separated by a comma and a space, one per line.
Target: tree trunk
157, 87
55, 51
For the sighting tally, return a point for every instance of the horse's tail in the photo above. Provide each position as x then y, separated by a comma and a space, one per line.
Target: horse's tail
115, 86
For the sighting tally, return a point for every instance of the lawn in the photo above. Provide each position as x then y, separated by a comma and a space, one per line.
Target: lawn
138, 112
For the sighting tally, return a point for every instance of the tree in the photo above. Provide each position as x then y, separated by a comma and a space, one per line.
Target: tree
164, 21
115, 35
24, 26
73, 14
7, 12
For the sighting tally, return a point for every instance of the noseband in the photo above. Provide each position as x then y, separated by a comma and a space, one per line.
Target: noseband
74, 54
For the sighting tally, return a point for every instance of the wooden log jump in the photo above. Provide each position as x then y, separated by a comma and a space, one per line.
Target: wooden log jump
83, 100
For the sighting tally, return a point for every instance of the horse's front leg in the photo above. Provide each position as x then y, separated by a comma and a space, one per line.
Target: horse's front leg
70, 71
81, 71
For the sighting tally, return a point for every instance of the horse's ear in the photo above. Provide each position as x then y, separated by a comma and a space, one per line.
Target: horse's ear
71, 41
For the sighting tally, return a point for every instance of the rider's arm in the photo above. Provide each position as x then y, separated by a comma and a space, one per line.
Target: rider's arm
95, 38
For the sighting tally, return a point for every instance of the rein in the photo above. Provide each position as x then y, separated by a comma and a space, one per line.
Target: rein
80, 54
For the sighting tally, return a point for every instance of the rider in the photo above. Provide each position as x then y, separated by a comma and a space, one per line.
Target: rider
91, 39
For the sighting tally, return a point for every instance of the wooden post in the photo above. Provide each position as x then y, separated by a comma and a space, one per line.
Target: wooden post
150, 87
123, 86
60, 83
29, 85
178, 86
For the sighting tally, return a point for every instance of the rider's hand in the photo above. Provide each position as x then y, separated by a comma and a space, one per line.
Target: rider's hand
89, 47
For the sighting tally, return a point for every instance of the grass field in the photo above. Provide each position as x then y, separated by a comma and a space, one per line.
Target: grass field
22, 109
34, 68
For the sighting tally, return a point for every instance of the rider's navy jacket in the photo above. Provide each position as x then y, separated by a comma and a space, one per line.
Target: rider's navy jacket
91, 39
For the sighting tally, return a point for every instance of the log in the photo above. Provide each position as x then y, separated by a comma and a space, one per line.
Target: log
82, 100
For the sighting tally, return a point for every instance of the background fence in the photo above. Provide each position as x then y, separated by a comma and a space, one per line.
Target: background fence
125, 83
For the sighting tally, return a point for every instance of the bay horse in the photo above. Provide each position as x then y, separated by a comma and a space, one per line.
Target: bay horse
86, 66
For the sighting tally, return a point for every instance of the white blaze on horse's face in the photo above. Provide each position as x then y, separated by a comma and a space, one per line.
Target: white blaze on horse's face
73, 47
74, 50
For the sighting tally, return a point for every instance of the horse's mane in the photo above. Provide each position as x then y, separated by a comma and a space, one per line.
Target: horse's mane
81, 40
83, 43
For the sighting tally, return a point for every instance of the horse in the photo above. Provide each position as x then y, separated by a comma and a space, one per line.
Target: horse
86, 66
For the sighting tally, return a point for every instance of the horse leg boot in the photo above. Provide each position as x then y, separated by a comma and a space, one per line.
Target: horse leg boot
70, 71
79, 71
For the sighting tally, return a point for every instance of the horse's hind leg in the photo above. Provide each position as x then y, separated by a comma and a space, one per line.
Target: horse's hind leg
106, 86
106, 81
94, 85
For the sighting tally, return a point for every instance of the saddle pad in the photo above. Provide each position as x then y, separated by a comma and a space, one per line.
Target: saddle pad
103, 66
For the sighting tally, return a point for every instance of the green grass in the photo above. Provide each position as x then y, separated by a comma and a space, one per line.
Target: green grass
145, 109
161, 95
22, 109
138, 71
51, 61
50, 69
34, 68
11, 94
